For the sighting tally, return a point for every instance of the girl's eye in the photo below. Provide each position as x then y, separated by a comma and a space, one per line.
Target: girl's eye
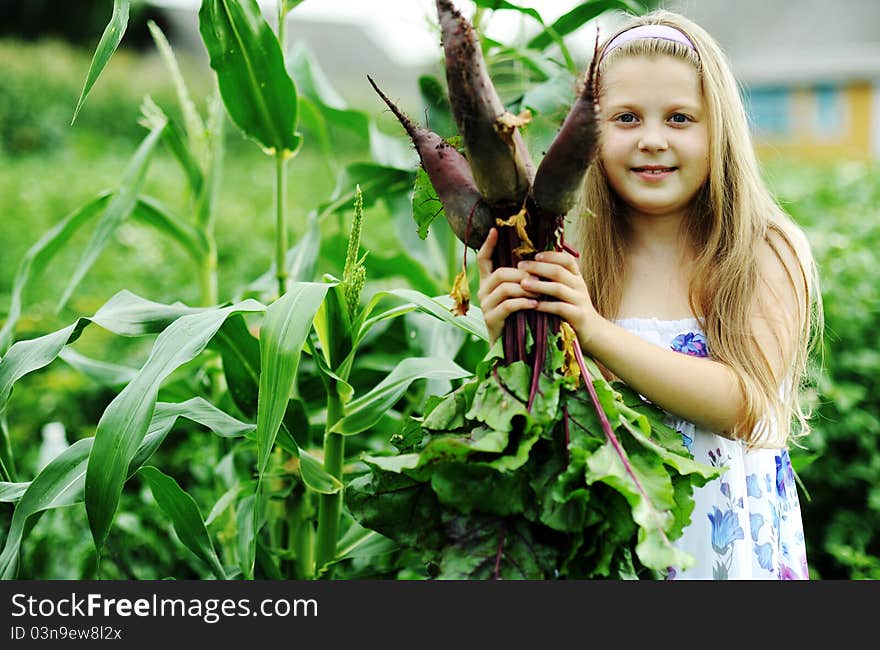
626, 118
680, 118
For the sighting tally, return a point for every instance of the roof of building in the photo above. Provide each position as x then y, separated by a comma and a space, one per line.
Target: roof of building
781, 41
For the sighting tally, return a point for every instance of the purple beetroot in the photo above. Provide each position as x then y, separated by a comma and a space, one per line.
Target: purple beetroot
562, 170
466, 211
496, 150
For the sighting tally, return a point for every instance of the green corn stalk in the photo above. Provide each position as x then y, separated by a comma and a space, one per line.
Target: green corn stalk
330, 506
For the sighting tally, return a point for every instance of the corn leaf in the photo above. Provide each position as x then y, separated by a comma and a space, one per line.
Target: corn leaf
213, 166
153, 213
110, 40
241, 366
248, 521
360, 542
58, 484
438, 307
225, 500
124, 314
185, 517
62, 480
38, 256
363, 412
240, 353
287, 323
503, 4
195, 128
101, 372
125, 421
127, 314
299, 260
11, 492
147, 211
324, 111
333, 327
180, 148
289, 5
258, 93
376, 181
196, 410
26, 356
120, 207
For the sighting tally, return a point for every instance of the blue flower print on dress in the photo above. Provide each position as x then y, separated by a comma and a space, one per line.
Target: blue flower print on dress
692, 343
784, 473
752, 487
755, 522
764, 552
725, 529
688, 442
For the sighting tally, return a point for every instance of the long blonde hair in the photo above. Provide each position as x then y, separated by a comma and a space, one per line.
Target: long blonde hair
730, 216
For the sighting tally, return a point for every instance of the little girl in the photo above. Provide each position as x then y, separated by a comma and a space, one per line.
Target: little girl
693, 287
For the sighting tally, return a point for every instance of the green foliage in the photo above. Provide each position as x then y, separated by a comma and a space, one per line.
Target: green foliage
257, 91
41, 84
490, 486
110, 40
217, 211
839, 465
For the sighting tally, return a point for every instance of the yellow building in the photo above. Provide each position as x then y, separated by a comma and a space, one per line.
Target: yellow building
804, 111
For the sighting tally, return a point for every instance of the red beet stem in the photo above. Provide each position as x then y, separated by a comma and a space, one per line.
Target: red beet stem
609, 432
466, 211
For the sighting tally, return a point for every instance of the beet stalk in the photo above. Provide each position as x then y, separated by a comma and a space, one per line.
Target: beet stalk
562, 170
499, 160
466, 211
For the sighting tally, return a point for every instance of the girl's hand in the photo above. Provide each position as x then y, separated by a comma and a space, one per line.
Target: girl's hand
555, 274
501, 292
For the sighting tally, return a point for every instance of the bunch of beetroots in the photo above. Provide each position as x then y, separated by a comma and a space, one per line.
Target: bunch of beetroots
497, 184
516, 473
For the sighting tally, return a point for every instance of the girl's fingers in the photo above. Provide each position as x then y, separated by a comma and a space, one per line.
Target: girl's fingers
498, 277
546, 260
502, 292
556, 290
484, 255
507, 307
548, 270
565, 311
562, 258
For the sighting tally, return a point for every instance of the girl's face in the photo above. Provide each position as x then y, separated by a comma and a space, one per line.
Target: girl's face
654, 135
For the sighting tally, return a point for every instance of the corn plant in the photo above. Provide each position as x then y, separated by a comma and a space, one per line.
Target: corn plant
280, 513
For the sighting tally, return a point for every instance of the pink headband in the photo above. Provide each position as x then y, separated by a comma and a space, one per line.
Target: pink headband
665, 32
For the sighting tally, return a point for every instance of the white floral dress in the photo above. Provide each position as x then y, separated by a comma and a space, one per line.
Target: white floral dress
746, 525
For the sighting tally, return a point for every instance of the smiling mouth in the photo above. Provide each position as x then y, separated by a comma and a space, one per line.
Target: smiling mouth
653, 170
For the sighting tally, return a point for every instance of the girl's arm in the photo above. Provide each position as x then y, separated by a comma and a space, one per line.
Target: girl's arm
705, 392
700, 390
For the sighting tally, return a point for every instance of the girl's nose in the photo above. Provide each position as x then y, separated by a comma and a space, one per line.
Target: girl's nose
652, 139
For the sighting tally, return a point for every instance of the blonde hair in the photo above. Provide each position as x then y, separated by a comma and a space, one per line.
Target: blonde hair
729, 217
